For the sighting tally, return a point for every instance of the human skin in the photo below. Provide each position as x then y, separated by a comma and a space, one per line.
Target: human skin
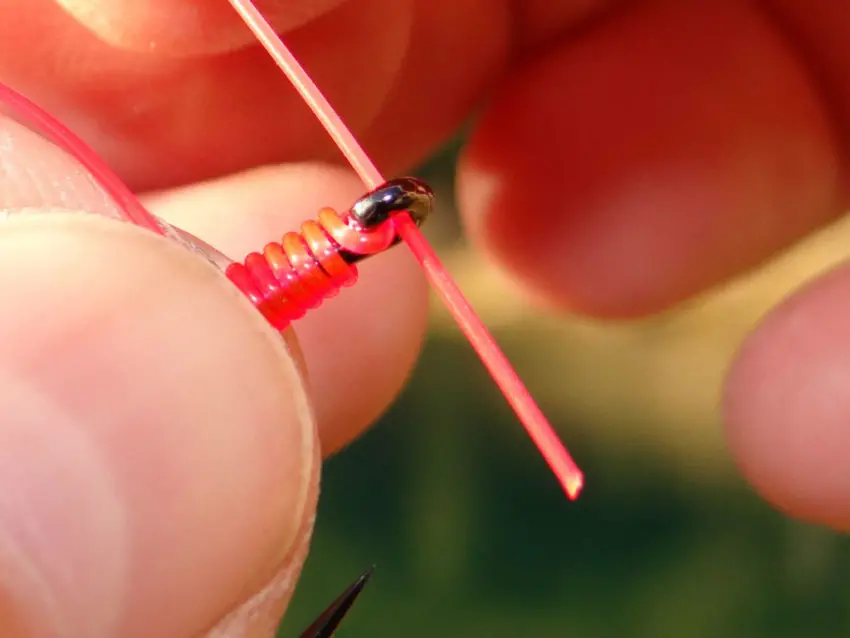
692, 139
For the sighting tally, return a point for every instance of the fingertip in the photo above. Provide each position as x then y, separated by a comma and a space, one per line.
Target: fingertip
158, 443
665, 149
787, 401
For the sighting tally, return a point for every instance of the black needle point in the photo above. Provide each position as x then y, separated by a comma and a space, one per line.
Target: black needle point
325, 625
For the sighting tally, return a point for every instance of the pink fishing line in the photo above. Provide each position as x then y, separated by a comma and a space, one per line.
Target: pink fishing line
520, 399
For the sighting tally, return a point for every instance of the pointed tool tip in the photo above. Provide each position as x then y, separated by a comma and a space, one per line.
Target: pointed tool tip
360, 583
326, 624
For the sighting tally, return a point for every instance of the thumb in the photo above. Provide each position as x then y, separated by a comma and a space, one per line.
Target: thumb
158, 458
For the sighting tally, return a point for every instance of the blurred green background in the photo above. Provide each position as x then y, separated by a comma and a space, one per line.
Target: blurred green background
470, 534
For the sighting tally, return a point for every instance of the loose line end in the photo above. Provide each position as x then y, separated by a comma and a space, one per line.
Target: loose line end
532, 418
573, 486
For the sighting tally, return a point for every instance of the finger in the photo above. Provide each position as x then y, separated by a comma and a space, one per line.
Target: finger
360, 346
157, 452
162, 118
444, 72
669, 147
185, 26
788, 400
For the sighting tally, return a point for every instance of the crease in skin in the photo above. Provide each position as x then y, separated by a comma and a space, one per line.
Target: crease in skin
29, 585
78, 463
37, 175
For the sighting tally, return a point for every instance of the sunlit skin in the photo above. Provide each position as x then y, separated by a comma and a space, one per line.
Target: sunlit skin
621, 160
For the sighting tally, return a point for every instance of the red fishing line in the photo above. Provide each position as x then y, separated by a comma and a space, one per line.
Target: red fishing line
536, 424
294, 275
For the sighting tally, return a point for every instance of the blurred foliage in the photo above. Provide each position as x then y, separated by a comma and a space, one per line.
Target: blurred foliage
471, 536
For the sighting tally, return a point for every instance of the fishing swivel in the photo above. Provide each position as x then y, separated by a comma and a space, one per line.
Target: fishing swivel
405, 194
295, 275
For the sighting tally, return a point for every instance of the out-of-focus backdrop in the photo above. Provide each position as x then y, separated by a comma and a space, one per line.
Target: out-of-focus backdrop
471, 536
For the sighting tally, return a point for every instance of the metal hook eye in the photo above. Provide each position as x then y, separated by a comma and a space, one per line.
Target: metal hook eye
405, 194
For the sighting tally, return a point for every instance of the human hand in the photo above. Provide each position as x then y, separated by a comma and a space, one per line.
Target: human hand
159, 450
616, 170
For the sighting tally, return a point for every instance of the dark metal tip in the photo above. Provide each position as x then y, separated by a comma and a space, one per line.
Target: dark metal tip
326, 624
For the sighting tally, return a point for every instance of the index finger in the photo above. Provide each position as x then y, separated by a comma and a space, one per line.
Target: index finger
166, 117
403, 73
